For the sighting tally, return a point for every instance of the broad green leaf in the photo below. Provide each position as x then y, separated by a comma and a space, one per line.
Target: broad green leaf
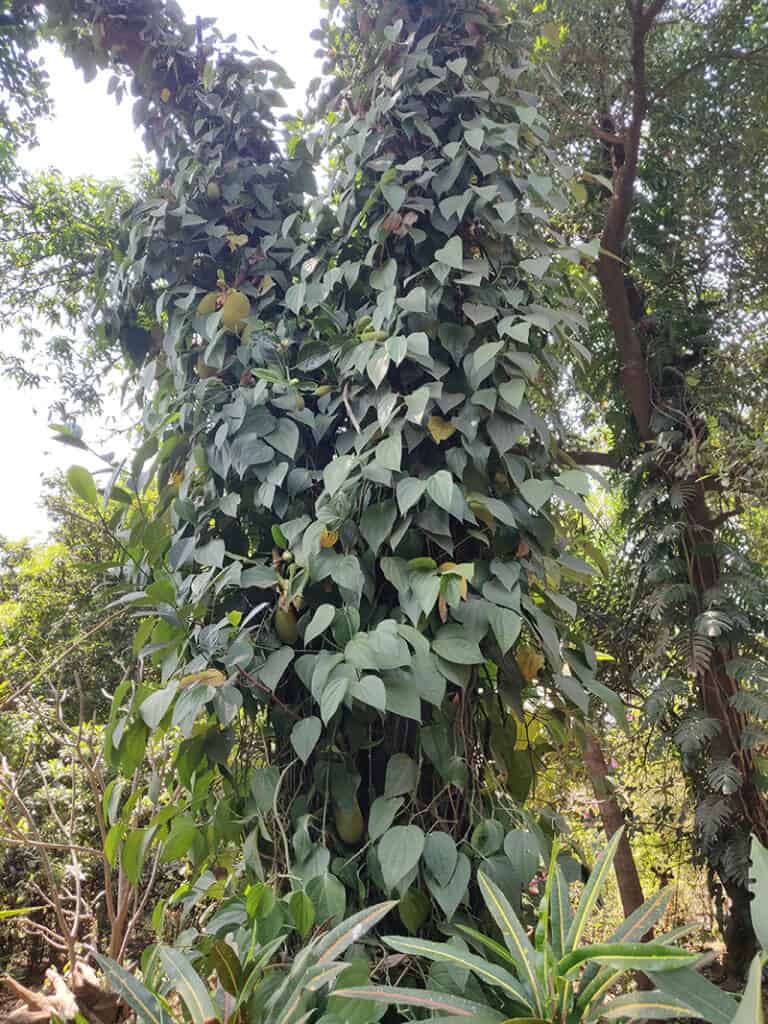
536, 492
629, 956
698, 994
273, 669
751, 1005
443, 952
592, 890
333, 694
453, 644
153, 709
401, 776
440, 856
400, 850
320, 621
514, 936
337, 471
339, 939
377, 522
759, 888
82, 483
513, 391
450, 895
642, 1006
145, 1005
133, 853
423, 998
329, 898
381, 815
302, 912
228, 967
409, 492
184, 831
189, 985
304, 736
452, 253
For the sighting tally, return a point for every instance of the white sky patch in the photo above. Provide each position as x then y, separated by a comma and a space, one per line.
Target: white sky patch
90, 134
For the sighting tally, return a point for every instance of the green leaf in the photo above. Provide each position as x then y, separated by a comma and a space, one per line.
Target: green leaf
751, 1005
423, 998
409, 492
320, 621
591, 893
399, 850
339, 939
304, 736
144, 1004
642, 1006
441, 488
183, 833
394, 194
402, 775
414, 302
189, 985
389, 452
211, 554
759, 888
153, 709
440, 856
333, 694
228, 967
377, 522
513, 391
381, 815
82, 483
329, 898
536, 492
302, 912
698, 994
514, 935
370, 690
133, 853
455, 957
453, 644
629, 956
337, 471
452, 253
450, 895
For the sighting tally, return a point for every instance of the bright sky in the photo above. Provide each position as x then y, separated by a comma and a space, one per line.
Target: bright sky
91, 135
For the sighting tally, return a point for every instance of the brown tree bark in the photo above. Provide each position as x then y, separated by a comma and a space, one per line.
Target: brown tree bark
612, 816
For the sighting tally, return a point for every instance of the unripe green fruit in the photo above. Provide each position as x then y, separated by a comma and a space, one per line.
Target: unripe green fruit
235, 311
207, 304
350, 824
285, 626
214, 192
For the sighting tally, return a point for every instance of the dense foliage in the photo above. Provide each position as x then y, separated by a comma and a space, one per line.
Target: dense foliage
358, 531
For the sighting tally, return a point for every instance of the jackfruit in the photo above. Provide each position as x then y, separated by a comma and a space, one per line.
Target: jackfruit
285, 625
350, 824
235, 311
207, 304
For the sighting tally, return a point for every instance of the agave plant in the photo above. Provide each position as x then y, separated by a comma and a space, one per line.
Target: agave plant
257, 991
551, 977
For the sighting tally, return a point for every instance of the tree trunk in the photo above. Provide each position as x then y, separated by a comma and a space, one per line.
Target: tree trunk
612, 816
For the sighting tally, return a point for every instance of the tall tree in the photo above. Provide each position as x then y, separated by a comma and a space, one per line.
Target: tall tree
676, 237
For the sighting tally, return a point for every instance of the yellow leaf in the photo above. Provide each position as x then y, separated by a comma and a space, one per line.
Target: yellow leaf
236, 241
165, 95
210, 676
265, 284
440, 429
529, 661
463, 587
485, 517
328, 538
